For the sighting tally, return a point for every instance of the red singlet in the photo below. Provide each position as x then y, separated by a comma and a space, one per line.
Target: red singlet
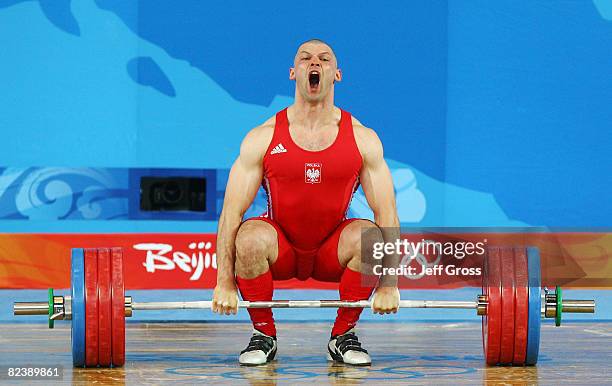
309, 192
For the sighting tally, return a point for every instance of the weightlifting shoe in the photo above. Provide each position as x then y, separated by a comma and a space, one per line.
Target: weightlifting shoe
346, 348
261, 350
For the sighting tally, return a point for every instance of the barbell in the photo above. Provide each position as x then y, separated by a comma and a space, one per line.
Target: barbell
512, 305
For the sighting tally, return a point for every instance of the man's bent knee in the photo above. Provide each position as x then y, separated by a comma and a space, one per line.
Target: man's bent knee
256, 245
358, 234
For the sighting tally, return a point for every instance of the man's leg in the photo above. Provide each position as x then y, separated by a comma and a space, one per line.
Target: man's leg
352, 287
256, 250
340, 259
262, 252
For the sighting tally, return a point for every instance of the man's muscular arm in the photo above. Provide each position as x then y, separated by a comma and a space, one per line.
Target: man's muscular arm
377, 185
376, 180
242, 185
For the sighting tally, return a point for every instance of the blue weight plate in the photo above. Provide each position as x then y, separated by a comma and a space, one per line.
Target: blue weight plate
535, 300
78, 307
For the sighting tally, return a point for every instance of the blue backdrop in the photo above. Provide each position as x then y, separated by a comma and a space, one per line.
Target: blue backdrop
491, 113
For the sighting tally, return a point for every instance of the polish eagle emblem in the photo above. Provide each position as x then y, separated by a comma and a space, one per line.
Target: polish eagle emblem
312, 173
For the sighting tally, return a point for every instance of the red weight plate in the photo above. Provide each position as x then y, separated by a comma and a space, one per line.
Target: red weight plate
104, 307
521, 310
491, 322
91, 307
118, 307
508, 300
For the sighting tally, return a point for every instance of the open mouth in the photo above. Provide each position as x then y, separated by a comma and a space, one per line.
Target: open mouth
313, 79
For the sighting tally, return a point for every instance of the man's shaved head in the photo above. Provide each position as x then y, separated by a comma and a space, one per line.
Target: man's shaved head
318, 41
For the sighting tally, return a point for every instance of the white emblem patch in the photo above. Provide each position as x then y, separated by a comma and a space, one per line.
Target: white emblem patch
312, 173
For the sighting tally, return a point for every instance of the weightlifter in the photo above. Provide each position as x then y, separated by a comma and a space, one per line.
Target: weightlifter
310, 159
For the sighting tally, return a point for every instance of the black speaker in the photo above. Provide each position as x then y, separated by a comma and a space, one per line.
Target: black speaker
173, 194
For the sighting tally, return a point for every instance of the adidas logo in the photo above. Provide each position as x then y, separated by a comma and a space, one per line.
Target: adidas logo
278, 149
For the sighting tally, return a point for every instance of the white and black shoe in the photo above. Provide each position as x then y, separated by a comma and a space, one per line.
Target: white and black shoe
346, 348
261, 350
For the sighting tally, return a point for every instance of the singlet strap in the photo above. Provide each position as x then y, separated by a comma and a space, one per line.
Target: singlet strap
281, 119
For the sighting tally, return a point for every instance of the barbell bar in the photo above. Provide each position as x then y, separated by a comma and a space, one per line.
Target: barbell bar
41, 308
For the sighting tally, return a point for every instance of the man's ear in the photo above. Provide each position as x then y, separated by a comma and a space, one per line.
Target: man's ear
338, 76
291, 73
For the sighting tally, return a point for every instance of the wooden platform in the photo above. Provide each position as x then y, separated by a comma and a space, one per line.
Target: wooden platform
434, 353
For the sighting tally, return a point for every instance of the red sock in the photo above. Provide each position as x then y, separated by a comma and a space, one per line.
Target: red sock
350, 289
260, 288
